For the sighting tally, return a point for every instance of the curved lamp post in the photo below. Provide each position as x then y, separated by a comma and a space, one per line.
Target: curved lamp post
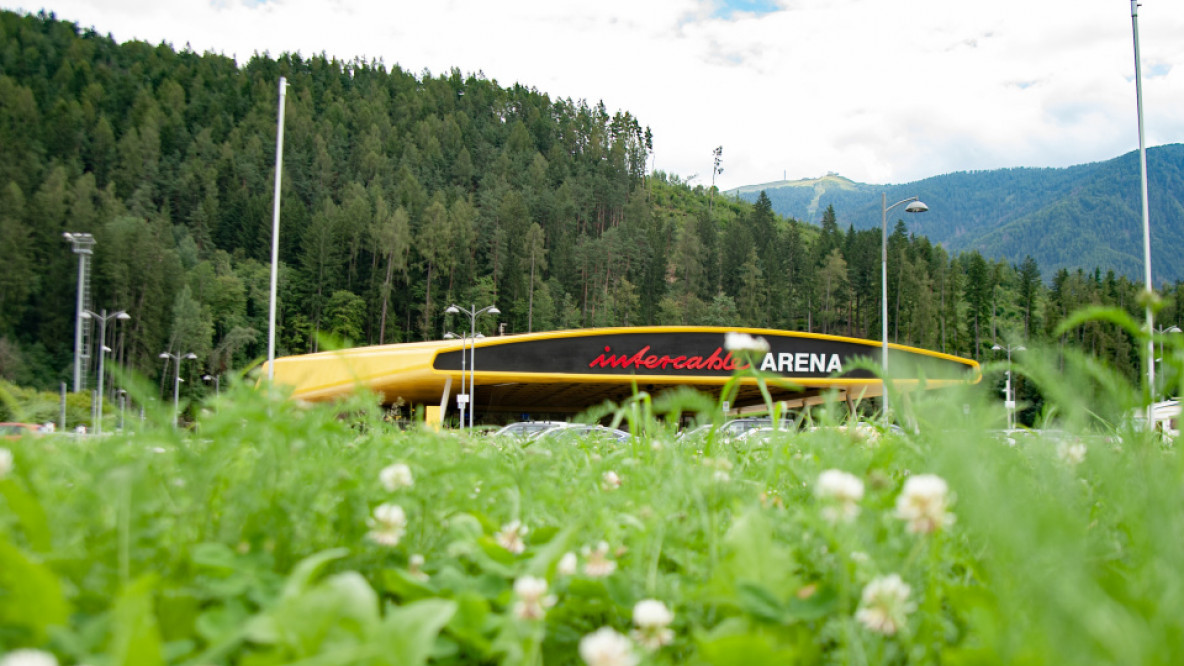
472, 313
1009, 404
177, 382
914, 206
103, 349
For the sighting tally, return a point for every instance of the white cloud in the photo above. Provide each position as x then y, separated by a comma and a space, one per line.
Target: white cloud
878, 90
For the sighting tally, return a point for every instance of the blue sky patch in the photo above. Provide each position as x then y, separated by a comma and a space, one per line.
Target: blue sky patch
727, 9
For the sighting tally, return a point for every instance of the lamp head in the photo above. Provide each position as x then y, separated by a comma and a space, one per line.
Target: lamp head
107, 349
208, 378
493, 310
916, 207
190, 355
1173, 329
480, 335
450, 335
1020, 348
165, 355
451, 309
996, 348
84, 314
123, 316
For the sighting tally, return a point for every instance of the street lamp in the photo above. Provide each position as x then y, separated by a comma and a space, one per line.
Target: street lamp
914, 206
463, 398
177, 383
217, 383
122, 409
83, 246
1009, 402
103, 349
472, 313
217, 379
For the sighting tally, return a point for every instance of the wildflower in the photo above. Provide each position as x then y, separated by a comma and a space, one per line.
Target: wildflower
743, 342
1074, 453
29, 658
511, 535
396, 476
415, 567
841, 492
567, 564
387, 525
721, 476
610, 481
597, 564
605, 647
533, 599
923, 503
885, 605
652, 619
6, 463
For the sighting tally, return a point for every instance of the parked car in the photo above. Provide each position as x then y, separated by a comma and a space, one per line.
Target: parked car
572, 432
736, 427
527, 429
12, 430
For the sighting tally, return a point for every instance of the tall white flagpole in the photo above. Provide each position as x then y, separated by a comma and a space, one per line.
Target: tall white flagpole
275, 232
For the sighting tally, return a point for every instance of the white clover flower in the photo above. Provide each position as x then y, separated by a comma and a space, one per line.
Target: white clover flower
1072, 453
6, 463
841, 493
415, 567
511, 535
568, 565
652, 619
533, 599
605, 647
387, 525
743, 342
721, 476
885, 605
610, 481
28, 657
396, 476
922, 503
597, 564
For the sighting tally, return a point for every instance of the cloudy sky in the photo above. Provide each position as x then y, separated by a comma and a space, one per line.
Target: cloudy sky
880, 91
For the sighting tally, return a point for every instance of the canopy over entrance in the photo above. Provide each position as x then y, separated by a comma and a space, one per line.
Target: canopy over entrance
569, 371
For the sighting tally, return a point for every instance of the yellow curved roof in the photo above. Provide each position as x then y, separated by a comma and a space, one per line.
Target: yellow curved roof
571, 370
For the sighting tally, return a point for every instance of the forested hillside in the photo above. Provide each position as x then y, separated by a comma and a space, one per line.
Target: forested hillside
1087, 216
403, 193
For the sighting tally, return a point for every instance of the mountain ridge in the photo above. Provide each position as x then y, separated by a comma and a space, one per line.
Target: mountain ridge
1083, 216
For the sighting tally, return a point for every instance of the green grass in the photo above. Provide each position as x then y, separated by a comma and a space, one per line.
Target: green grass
246, 540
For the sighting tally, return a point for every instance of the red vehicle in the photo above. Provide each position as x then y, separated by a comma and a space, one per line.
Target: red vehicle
18, 430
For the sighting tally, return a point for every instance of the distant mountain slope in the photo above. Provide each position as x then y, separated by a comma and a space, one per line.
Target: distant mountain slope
1086, 216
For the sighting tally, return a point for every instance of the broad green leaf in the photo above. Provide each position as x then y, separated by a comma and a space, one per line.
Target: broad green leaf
216, 556
30, 593
29, 513
410, 631
136, 640
308, 568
